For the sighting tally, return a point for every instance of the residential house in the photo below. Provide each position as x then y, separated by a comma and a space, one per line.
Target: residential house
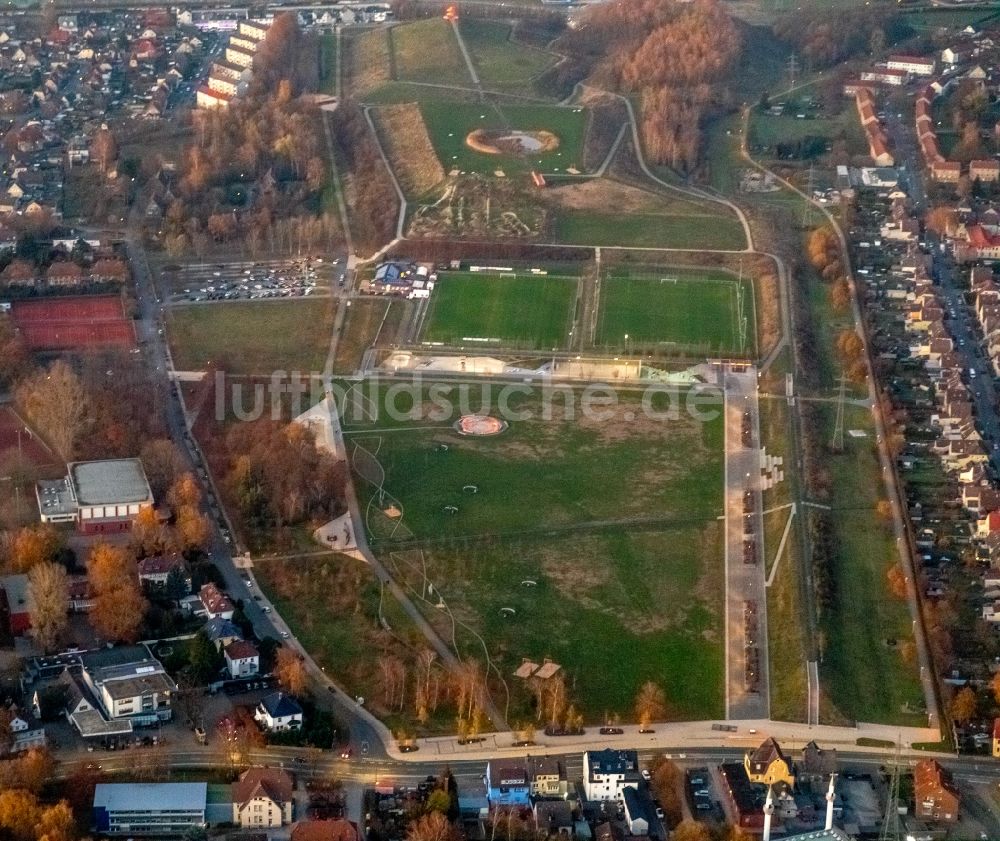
26, 733
914, 65
337, 829
215, 603
109, 270
81, 596
554, 817
606, 773
507, 783
262, 797
985, 170
816, 766
156, 570
935, 795
768, 765
221, 632
242, 659
278, 712
637, 813
547, 777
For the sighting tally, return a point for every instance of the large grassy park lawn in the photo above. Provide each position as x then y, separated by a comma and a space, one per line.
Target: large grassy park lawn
449, 123
503, 64
654, 306
615, 521
526, 311
691, 228
427, 51
252, 337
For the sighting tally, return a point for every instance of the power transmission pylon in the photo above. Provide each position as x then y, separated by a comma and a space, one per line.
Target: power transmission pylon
793, 67
837, 444
891, 830
807, 206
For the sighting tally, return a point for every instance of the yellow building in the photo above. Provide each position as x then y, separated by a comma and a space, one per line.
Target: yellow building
768, 765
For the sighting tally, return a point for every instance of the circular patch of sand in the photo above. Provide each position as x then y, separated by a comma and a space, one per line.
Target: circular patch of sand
502, 142
479, 425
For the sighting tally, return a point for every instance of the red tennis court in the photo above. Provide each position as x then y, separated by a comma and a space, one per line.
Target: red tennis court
73, 323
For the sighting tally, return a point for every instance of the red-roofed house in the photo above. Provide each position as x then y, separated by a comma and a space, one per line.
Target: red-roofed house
107, 270
338, 829
988, 525
986, 170
983, 244
216, 603
242, 659
911, 64
946, 170
157, 569
64, 273
934, 793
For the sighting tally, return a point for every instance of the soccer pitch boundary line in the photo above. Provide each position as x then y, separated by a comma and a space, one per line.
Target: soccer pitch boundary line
734, 284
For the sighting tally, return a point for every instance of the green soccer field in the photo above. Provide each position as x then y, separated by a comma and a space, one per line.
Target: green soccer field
676, 307
525, 311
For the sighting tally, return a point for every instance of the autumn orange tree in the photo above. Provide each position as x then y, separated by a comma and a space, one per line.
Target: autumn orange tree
56, 403
119, 606
290, 671
34, 545
650, 704
48, 603
963, 705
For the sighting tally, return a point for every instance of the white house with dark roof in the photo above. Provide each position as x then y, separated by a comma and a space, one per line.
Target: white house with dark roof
606, 773
277, 712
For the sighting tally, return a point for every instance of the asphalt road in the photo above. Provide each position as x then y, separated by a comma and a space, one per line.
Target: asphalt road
152, 335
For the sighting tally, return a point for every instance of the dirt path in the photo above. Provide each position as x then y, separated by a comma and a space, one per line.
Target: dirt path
468, 58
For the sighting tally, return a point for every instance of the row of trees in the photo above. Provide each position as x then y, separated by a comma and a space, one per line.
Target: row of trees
371, 194
23, 817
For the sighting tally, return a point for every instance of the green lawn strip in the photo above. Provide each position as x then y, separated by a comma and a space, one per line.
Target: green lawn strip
449, 123
427, 51
499, 61
328, 80
785, 631
861, 670
526, 311
649, 230
613, 609
868, 742
252, 337
672, 305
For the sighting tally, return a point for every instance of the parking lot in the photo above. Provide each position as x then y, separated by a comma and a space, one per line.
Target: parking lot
248, 281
